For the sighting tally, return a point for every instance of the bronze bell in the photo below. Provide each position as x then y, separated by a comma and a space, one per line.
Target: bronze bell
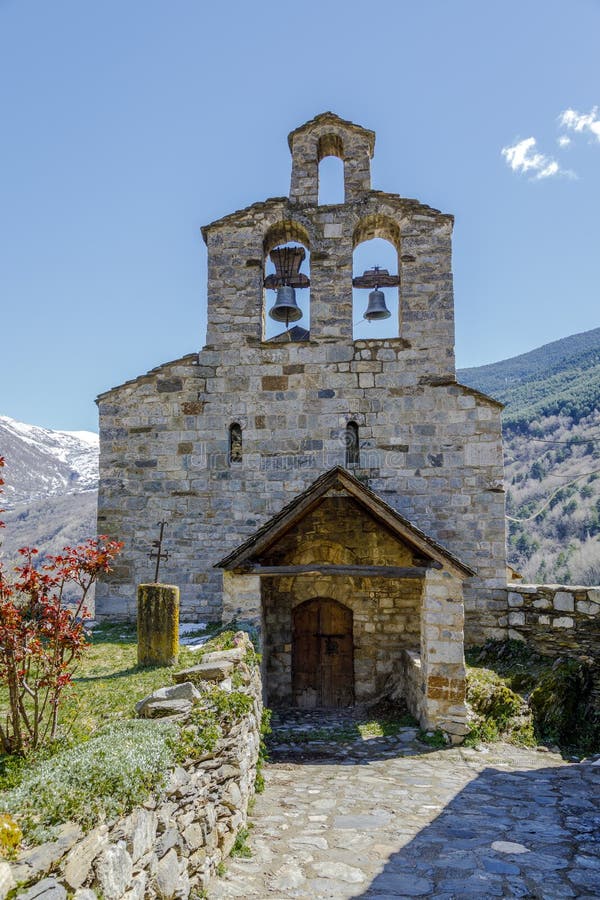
285, 309
377, 308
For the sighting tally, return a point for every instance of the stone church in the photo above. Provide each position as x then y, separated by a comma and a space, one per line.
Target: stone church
346, 494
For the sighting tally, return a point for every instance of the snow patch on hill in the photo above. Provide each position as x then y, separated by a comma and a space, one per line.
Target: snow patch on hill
43, 463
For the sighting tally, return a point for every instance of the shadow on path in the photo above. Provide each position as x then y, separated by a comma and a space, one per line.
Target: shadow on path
506, 834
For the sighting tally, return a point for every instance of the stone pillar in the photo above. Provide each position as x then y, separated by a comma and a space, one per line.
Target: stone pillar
442, 654
158, 624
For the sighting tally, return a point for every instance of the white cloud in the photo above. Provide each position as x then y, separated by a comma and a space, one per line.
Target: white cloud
576, 121
522, 157
564, 140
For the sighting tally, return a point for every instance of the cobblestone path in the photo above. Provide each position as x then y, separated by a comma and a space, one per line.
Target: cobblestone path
388, 817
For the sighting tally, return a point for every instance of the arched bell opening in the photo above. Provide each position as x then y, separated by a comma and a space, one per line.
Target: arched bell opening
286, 294
331, 173
377, 310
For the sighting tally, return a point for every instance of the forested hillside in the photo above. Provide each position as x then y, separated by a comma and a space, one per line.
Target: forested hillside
552, 456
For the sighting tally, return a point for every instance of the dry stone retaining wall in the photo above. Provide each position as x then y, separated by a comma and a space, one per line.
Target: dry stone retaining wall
171, 846
555, 618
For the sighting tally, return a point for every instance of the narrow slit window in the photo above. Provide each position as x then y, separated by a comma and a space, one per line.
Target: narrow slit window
235, 444
352, 447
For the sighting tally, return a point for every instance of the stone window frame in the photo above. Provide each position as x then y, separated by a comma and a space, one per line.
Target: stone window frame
235, 445
352, 444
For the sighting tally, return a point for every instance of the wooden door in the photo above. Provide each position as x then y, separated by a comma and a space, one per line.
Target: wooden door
322, 655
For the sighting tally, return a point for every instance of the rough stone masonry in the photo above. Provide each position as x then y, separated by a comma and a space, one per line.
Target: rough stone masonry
429, 446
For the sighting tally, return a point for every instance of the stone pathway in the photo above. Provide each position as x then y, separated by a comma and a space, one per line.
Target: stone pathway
388, 817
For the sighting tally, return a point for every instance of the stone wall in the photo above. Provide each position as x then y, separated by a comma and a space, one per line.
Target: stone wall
432, 451
555, 619
386, 617
170, 847
431, 447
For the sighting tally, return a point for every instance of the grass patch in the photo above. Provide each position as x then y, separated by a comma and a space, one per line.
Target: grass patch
526, 698
352, 731
105, 762
263, 753
241, 848
435, 739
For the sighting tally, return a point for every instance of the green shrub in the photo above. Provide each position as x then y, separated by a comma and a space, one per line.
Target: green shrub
209, 720
556, 697
493, 699
241, 848
263, 753
435, 739
482, 732
101, 778
563, 706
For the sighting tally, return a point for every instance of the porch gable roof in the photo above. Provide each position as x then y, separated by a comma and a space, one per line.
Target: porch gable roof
340, 478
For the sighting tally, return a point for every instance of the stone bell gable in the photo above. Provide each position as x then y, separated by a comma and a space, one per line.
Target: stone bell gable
219, 441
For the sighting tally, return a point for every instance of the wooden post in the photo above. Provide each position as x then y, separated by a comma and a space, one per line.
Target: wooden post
158, 624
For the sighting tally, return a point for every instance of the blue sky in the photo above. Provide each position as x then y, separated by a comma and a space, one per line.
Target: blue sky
127, 124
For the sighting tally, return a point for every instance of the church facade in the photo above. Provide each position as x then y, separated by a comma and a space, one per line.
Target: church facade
227, 443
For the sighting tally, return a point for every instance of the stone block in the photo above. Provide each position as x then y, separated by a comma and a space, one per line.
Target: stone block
7, 881
78, 863
444, 652
515, 599
193, 408
564, 601
114, 869
516, 618
166, 878
140, 832
563, 622
440, 687
205, 671
138, 887
46, 889
236, 654
274, 383
588, 608
177, 692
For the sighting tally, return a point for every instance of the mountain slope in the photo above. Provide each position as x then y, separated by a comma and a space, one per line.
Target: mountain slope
50, 490
41, 462
49, 524
497, 379
551, 427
